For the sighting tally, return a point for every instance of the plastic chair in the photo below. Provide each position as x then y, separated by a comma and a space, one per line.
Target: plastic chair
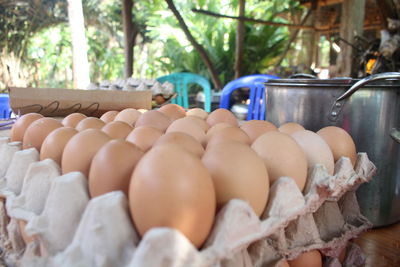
181, 80
5, 110
257, 105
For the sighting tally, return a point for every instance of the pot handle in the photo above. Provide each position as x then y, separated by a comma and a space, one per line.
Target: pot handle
367, 80
395, 134
338, 105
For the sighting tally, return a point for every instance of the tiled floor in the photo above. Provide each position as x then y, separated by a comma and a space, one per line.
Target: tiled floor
381, 246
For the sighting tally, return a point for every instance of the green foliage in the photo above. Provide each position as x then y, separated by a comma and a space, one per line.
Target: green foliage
38, 33
262, 44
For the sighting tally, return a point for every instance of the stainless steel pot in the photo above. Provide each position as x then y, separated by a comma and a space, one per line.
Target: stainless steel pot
368, 110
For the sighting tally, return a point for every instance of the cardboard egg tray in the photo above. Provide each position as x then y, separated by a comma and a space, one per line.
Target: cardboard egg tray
64, 227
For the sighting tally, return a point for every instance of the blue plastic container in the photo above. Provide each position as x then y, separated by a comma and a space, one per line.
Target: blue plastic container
5, 110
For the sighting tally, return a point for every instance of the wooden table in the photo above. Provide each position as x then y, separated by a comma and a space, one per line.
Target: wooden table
381, 246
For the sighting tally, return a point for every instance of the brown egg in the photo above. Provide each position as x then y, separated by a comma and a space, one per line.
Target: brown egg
176, 187
217, 127
189, 127
229, 133
290, 127
282, 156
53, 145
202, 123
154, 119
144, 137
90, 123
80, 150
237, 172
109, 116
255, 128
221, 115
342, 255
340, 143
20, 126
311, 258
112, 167
128, 115
173, 111
316, 149
184, 140
73, 119
283, 263
197, 112
117, 129
38, 131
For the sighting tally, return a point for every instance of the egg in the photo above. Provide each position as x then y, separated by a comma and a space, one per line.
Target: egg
184, 140
229, 133
112, 166
109, 116
282, 156
73, 119
128, 115
311, 258
255, 128
283, 263
340, 143
202, 123
144, 137
38, 131
54, 144
221, 115
173, 111
170, 187
154, 119
197, 112
189, 127
290, 127
21, 124
117, 129
316, 149
217, 127
90, 123
80, 150
237, 172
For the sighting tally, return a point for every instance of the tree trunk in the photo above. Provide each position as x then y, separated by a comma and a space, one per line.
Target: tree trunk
203, 54
240, 40
351, 24
80, 63
130, 34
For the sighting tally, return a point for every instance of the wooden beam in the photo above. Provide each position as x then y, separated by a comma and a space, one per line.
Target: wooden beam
308, 3
213, 14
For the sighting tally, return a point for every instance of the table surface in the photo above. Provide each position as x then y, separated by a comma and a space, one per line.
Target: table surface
381, 246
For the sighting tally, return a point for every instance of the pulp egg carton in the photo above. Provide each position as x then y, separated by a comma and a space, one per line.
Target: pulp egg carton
48, 219
134, 84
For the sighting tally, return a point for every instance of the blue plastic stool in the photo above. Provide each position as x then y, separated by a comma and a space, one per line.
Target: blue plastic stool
257, 108
5, 110
181, 80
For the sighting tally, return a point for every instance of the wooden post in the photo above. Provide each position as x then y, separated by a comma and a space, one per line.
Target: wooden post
313, 37
80, 63
240, 40
351, 24
127, 24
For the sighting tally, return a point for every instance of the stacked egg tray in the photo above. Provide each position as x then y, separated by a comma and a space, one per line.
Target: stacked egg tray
64, 227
